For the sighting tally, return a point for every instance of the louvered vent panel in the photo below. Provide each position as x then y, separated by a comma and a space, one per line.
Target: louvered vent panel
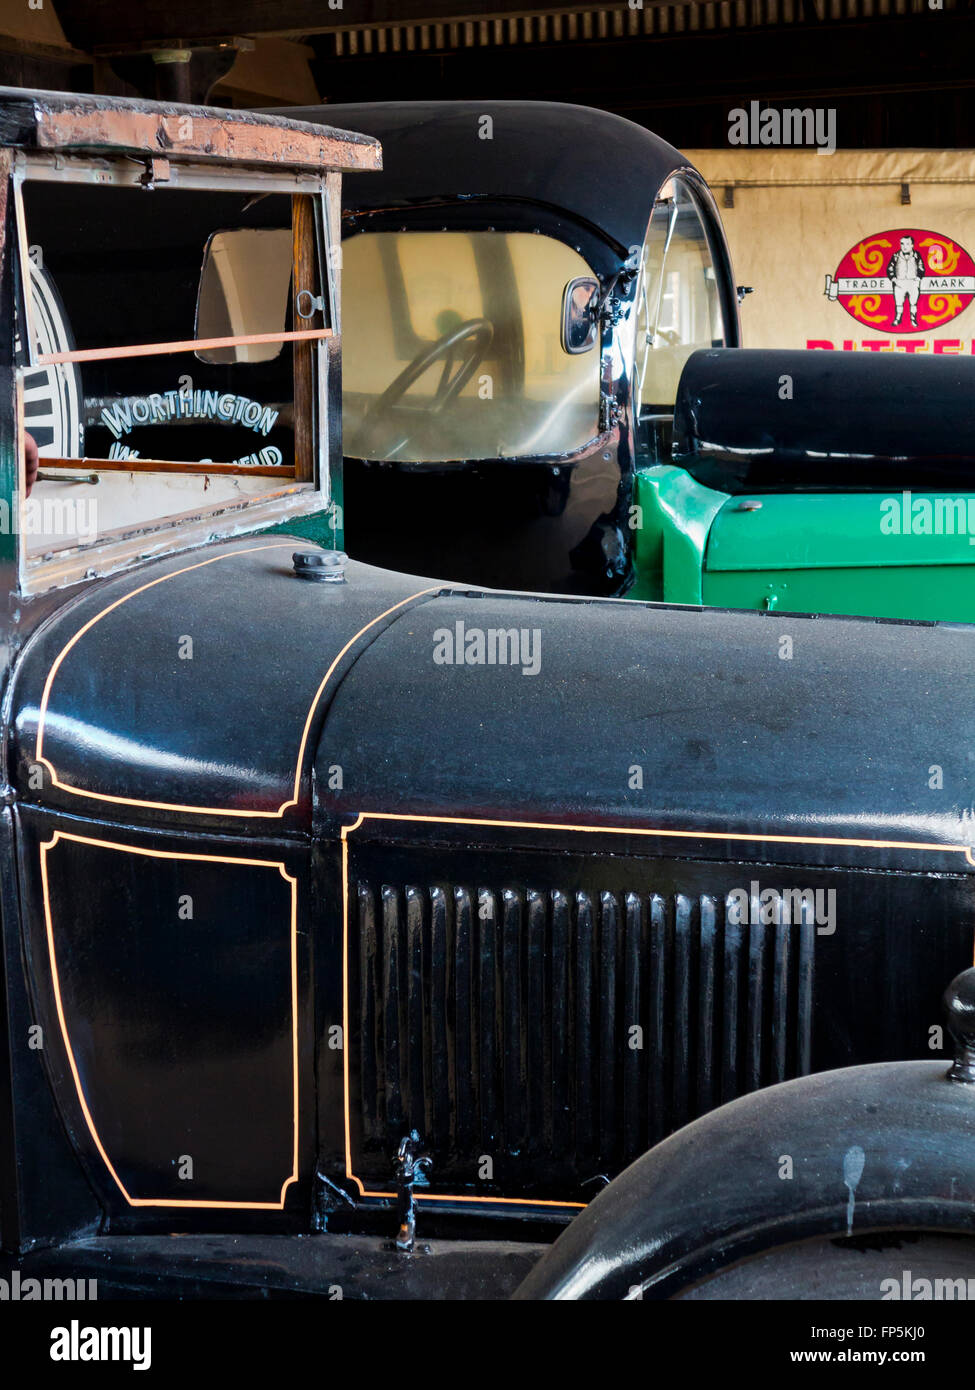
558, 1034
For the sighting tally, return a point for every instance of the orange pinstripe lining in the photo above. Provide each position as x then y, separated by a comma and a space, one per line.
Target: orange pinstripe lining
363, 816
175, 806
345, 833
966, 850
89, 1121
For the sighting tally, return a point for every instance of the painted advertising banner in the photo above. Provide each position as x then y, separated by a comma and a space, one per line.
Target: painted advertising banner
865, 251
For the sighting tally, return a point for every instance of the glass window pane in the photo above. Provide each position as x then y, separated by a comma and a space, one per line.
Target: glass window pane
127, 261
173, 408
147, 447
452, 348
117, 267
678, 304
244, 290
162, 435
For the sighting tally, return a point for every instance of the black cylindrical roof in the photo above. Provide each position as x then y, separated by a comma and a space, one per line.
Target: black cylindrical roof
603, 169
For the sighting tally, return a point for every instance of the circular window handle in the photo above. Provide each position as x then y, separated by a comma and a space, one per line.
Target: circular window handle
316, 304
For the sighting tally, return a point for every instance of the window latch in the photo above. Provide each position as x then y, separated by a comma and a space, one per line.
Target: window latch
315, 303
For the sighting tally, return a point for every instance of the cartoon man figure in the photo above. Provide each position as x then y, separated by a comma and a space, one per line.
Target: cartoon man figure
905, 270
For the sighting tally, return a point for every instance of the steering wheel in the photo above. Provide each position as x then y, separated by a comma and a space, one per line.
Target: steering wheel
476, 333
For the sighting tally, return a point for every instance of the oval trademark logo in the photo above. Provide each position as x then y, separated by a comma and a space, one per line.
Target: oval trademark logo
907, 279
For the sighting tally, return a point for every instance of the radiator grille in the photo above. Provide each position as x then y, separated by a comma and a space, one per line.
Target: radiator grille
559, 1033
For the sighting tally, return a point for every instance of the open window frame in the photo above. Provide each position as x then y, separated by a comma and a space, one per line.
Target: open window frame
294, 489
654, 419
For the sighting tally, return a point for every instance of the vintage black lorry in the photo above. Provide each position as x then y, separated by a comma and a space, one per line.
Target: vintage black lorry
398, 911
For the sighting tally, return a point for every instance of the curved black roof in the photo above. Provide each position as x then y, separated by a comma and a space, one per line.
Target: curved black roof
601, 168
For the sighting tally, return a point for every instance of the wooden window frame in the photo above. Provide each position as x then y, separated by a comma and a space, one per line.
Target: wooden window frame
303, 488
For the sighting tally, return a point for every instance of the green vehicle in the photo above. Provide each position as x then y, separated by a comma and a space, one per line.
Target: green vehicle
807, 482
544, 389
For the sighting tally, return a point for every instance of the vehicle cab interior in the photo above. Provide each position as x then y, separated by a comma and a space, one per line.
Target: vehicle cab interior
516, 322
453, 347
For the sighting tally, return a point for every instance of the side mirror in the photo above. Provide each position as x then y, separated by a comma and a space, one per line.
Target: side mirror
580, 321
244, 287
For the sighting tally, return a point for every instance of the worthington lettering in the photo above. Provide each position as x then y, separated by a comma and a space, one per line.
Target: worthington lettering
162, 407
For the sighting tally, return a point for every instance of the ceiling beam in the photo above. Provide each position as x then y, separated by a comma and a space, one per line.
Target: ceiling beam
919, 53
96, 24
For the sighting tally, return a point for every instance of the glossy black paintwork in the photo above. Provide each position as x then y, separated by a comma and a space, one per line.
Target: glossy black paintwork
699, 699
623, 684
731, 739
874, 1148
768, 420
492, 993
571, 162
184, 1030
853, 1158
220, 731
174, 959
35, 1141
